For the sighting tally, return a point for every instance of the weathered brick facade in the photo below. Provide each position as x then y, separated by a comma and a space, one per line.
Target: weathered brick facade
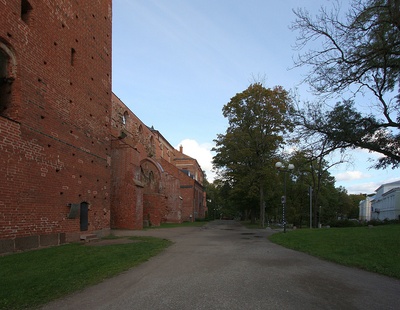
55, 104
144, 161
73, 158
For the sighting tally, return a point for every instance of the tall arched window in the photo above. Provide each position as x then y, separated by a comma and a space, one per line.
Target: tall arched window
124, 118
7, 76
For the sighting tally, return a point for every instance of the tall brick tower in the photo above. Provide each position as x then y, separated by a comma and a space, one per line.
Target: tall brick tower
55, 107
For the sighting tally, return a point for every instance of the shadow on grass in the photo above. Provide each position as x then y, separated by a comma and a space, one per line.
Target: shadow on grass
31, 279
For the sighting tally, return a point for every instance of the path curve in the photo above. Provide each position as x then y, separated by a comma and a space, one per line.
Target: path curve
226, 266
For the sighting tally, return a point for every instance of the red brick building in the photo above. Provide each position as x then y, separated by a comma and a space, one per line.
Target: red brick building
192, 185
55, 105
152, 182
72, 159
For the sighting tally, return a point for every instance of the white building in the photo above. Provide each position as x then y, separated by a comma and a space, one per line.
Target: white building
386, 203
365, 208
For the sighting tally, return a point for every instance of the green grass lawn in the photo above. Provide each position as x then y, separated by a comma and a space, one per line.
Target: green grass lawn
31, 279
375, 249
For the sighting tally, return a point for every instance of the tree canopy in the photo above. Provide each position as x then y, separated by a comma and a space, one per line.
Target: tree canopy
257, 123
360, 54
354, 71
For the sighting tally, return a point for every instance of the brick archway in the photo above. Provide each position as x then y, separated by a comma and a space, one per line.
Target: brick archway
154, 199
151, 172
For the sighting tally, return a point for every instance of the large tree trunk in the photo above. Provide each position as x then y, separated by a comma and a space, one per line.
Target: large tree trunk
262, 206
252, 216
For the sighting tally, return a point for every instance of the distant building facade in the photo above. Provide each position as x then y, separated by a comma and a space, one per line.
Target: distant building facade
150, 183
191, 186
74, 159
365, 209
386, 203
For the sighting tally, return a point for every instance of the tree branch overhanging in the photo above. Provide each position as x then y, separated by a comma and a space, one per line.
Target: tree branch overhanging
360, 52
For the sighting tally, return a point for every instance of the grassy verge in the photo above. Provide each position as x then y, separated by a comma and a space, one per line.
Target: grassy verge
33, 278
257, 225
375, 249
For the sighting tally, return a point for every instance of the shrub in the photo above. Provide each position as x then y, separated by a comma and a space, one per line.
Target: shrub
344, 223
375, 222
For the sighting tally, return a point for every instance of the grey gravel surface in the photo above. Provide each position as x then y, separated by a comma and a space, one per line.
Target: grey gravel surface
225, 266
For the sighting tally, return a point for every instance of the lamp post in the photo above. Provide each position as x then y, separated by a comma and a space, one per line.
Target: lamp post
281, 167
310, 193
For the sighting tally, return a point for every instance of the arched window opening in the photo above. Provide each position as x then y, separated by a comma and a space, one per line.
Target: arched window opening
26, 9
6, 80
124, 118
151, 149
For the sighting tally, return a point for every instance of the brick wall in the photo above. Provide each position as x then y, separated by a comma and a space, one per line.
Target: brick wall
55, 146
174, 202
147, 184
66, 141
173, 192
127, 190
154, 208
193, 204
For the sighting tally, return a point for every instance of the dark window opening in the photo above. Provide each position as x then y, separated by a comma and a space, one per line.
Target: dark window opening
73, 52
84, 216
3, 64
26, 9
5, 82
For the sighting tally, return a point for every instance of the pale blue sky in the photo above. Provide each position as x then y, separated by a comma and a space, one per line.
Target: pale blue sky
177, 62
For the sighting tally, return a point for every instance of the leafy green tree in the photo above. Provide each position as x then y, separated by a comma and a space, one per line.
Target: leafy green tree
359, 54
298, 199
312, 170
212, 196
353, 212
245, 153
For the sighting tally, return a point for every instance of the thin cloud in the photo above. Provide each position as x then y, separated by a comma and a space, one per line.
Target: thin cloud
351, 175
363, 188
368, 187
